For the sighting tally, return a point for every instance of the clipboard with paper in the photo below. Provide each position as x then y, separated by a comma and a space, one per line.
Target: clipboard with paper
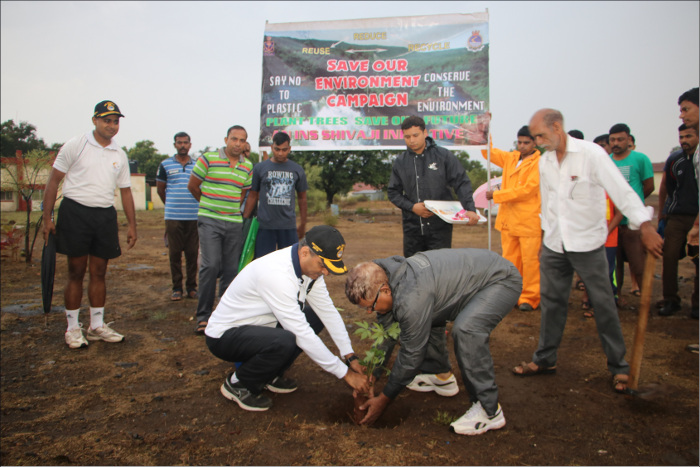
450, 211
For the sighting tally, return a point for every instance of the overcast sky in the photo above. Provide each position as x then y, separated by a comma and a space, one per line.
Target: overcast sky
197, 66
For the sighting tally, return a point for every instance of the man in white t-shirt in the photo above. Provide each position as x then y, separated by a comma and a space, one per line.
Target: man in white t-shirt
91, 166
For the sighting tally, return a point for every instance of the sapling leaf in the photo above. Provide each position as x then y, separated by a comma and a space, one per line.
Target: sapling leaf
374, 357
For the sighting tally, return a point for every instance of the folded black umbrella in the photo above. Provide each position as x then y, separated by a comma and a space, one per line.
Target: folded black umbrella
48, 269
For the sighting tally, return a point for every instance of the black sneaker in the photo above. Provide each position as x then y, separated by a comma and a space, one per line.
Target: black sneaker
244, 398
525, 307
669, 308
282, 385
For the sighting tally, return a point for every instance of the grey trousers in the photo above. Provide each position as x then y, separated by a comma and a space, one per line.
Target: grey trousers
556, 273
220, 243
471, 331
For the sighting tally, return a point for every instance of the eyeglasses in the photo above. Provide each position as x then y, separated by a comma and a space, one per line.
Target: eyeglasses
374, 303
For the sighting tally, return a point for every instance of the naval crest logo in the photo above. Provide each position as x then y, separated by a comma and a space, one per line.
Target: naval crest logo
269, 47
475, 42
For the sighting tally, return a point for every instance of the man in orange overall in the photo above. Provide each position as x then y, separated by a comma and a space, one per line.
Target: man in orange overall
518, 217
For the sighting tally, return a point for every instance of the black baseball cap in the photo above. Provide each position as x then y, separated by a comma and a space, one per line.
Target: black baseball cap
327, 243
105, 108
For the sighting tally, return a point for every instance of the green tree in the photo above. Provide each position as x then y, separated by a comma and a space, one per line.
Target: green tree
340, 170
475, 170
20, 137
31, 170
55, 147
147, 157
201, 152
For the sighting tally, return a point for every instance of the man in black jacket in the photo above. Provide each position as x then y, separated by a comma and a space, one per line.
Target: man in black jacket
426, 171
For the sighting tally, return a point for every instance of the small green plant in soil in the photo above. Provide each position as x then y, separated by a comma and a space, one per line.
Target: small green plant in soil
374, 357
444, 418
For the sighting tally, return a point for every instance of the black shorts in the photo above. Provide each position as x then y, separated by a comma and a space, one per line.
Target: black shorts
81, 230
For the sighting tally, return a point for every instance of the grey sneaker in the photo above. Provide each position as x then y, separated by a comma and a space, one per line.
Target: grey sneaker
427, 383
104, 333
476, 421
75, 339
243, 397
282, 385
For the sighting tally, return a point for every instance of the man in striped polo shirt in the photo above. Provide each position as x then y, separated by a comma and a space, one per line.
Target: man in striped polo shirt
180, 215
219, 181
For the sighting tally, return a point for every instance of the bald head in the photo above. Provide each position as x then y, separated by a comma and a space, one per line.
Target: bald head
363, 281
549, 116
547, 128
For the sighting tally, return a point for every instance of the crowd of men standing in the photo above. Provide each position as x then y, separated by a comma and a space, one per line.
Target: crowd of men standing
559, 197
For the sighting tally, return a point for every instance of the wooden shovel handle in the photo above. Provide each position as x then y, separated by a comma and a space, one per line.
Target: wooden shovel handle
645, 302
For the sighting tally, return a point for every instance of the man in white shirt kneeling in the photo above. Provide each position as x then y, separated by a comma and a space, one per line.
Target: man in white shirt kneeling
272, 311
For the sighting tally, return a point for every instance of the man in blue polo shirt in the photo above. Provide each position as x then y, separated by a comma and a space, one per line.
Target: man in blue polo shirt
180, 215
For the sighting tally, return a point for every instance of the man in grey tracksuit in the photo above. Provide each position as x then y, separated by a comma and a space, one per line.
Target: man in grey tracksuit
426, 171
473, 288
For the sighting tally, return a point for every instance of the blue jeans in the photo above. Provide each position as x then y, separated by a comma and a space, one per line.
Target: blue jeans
220, 243
269, 240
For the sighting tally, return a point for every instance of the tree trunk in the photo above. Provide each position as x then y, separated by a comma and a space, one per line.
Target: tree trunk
329, 198
27, 253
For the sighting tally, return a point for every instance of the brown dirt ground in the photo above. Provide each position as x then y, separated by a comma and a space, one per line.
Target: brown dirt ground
154, 399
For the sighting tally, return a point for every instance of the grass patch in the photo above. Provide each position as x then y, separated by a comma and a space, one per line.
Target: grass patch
160, 315
444, 418
330, 219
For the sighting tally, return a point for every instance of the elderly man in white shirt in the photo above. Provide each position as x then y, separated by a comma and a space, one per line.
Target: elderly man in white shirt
574, 177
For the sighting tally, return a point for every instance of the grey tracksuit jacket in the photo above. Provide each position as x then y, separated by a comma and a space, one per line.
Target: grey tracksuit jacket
429, 289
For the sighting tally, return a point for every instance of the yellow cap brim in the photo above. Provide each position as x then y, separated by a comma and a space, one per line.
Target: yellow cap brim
104, 114
335, 267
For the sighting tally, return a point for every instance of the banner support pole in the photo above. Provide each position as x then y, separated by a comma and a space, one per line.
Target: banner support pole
488, 187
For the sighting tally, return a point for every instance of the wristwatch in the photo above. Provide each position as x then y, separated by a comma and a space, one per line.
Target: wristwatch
350, 359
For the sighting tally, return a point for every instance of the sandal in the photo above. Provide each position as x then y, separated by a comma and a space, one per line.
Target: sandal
637, 293
588, 309
192, 294
176, 296
201, 326
620, 380
580, 285
527, 371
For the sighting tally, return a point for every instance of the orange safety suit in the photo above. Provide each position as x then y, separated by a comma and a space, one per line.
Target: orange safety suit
518, 217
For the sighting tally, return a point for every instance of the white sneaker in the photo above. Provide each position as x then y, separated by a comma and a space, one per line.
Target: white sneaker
104, 333
427, 383
75, 339
476, 421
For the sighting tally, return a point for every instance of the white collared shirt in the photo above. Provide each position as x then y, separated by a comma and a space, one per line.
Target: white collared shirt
573, 197
92, 172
